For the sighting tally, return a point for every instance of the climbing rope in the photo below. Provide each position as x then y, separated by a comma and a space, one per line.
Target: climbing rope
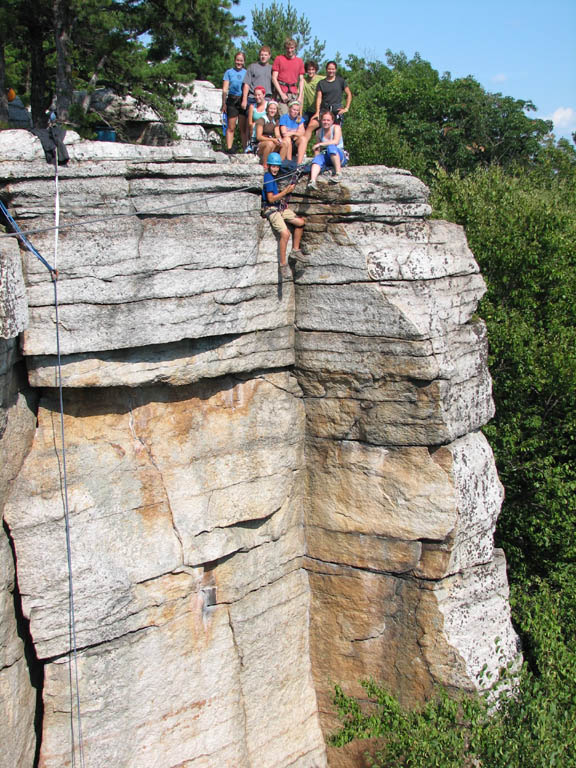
74, 682
73, 670
75, 705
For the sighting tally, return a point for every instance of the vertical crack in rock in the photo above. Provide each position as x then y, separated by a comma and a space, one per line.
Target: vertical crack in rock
34, 666
240, 658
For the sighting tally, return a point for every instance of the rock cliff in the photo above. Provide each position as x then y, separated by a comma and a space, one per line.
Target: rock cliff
273, 485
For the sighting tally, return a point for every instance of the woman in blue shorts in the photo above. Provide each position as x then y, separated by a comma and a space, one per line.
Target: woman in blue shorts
232, 101
328, 151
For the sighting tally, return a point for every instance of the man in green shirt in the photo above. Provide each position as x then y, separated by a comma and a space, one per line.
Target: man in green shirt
311, 80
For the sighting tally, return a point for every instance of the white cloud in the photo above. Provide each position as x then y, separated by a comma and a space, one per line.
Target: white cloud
564, 119
500, 78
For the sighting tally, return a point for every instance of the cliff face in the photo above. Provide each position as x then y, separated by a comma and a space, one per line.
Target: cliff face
274, 486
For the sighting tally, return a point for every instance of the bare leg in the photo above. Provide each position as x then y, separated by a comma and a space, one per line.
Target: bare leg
314, 172
298, 225
301, 143
336, 162
243, 130
310, 129
284, 237
230, 131
264, 149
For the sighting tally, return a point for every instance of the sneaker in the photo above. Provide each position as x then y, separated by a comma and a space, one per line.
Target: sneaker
285, 271
312, 185
335, 178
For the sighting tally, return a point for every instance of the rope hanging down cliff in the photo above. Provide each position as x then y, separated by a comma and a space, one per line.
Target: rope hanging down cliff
73, 672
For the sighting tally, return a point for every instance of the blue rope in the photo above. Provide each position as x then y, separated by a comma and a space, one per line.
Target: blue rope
22, 237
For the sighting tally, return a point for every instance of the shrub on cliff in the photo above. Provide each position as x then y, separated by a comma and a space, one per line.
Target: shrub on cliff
534, 729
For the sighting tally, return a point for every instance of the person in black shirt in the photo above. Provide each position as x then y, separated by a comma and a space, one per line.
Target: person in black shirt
329, 97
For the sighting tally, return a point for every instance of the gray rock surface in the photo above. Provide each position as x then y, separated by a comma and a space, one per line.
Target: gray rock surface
18, 694
273, 485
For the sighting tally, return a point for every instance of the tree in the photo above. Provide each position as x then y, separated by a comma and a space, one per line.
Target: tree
522, 226
145, 47
406, 109
272, 24
62, 20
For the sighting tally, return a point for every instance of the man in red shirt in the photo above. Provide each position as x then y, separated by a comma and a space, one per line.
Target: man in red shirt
288, 76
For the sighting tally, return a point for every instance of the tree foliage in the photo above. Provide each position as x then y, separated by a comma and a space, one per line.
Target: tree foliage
144, 47
406, 114
521, 227
273, 23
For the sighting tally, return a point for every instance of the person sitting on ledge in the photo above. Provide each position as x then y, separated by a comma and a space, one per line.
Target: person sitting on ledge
292, 130
268, 137
329, 151
329, 96
279, 215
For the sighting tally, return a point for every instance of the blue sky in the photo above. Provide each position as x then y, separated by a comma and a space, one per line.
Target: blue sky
522, 49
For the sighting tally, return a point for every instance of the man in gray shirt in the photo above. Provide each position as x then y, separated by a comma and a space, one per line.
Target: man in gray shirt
258, 73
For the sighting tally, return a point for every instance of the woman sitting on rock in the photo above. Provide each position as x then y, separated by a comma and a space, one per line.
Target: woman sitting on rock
256, 111
328, 151
268, 134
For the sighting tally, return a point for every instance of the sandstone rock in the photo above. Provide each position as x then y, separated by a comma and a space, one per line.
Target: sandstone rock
409, 634
176, 364
17, 710
238, 548
210, 686
17, 694
431, 513
17, 677
156, 480
162, 696
190, 292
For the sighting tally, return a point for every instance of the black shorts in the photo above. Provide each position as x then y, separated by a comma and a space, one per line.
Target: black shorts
233, 108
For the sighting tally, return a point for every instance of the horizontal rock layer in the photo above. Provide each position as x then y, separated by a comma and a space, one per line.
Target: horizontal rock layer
273, 485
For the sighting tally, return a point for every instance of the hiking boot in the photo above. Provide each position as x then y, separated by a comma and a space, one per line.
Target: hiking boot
335, 178
298, 256
312, 185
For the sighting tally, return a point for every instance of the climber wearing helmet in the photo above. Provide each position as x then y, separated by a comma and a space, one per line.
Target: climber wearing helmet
278, 214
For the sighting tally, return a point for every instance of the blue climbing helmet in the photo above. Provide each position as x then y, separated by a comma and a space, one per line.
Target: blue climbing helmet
274, 159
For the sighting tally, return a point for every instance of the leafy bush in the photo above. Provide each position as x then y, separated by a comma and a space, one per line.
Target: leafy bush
534, 728
521, 226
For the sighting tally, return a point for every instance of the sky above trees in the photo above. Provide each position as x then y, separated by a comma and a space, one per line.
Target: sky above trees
521, 48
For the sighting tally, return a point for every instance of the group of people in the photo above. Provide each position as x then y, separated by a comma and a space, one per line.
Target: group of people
278, 108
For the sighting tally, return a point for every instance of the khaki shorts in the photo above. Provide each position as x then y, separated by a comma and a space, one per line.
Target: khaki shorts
278, 219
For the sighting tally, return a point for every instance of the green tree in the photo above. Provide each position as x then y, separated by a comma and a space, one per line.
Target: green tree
405, 109
145, 47
521, 227
273, 23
